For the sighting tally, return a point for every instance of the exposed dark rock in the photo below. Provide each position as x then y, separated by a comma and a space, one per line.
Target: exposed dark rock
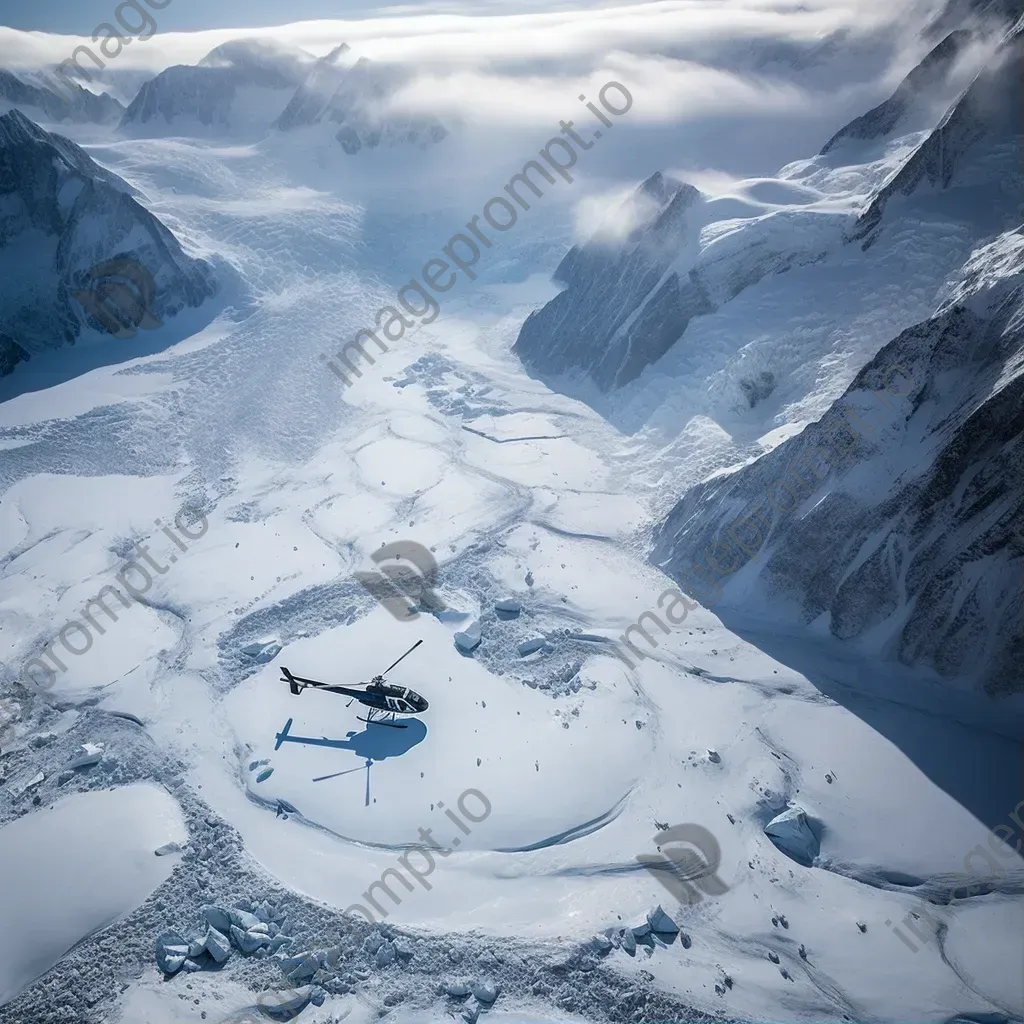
57, 98
914, 90
899, 516
65, 219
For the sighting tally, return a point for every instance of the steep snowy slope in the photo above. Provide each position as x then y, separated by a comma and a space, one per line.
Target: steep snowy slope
64, 219
235, 86
355, 102
973, 153
313, 96
916, 94
633, 301
895, 521
48, 99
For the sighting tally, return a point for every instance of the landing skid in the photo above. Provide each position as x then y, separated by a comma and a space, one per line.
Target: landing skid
387, 718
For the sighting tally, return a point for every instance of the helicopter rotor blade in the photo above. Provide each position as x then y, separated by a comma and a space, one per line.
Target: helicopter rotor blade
407, 653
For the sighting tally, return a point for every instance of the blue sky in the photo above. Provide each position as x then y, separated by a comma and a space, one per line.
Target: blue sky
80, 17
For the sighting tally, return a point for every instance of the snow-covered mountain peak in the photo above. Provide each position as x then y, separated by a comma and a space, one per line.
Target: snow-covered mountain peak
64, 217
231, 88
358, 98
290, 63
913, 100
26, 150
50, 99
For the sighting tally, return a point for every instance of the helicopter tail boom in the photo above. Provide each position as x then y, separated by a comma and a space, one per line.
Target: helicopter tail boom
297, 683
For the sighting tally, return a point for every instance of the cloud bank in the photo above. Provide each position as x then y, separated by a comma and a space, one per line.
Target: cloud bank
683, 58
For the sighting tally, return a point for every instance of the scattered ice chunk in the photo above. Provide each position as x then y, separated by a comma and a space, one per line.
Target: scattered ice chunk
386, 954
628, 942
171, 951
601, 943
485, 991
457, 989
243, 919
248, 941
167, 849
217, 917
92, 753
217, 944
32, 783
713, 756
306, 969
529, 646
263, 650
508, 606
641, 931
469, 638
791, 832
661, 923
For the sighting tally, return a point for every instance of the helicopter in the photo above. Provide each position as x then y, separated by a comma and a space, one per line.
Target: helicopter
385, 701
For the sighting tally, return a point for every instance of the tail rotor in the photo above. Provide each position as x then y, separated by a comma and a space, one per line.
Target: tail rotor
293, 685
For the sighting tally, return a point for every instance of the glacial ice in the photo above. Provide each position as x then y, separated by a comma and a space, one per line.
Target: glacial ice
791, 832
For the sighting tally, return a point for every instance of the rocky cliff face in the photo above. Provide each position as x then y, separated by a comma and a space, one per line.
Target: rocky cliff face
975, 149
55, 99
62, 216
915, 94
897, 520
623, 304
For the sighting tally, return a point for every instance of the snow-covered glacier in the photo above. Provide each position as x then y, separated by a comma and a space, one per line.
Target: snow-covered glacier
722, 713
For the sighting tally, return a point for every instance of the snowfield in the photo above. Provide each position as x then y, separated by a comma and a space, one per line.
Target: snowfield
288, 809
72, 869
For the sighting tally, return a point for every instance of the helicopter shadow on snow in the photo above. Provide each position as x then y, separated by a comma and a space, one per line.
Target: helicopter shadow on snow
375, 743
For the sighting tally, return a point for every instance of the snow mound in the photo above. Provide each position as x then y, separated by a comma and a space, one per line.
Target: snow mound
70, 869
